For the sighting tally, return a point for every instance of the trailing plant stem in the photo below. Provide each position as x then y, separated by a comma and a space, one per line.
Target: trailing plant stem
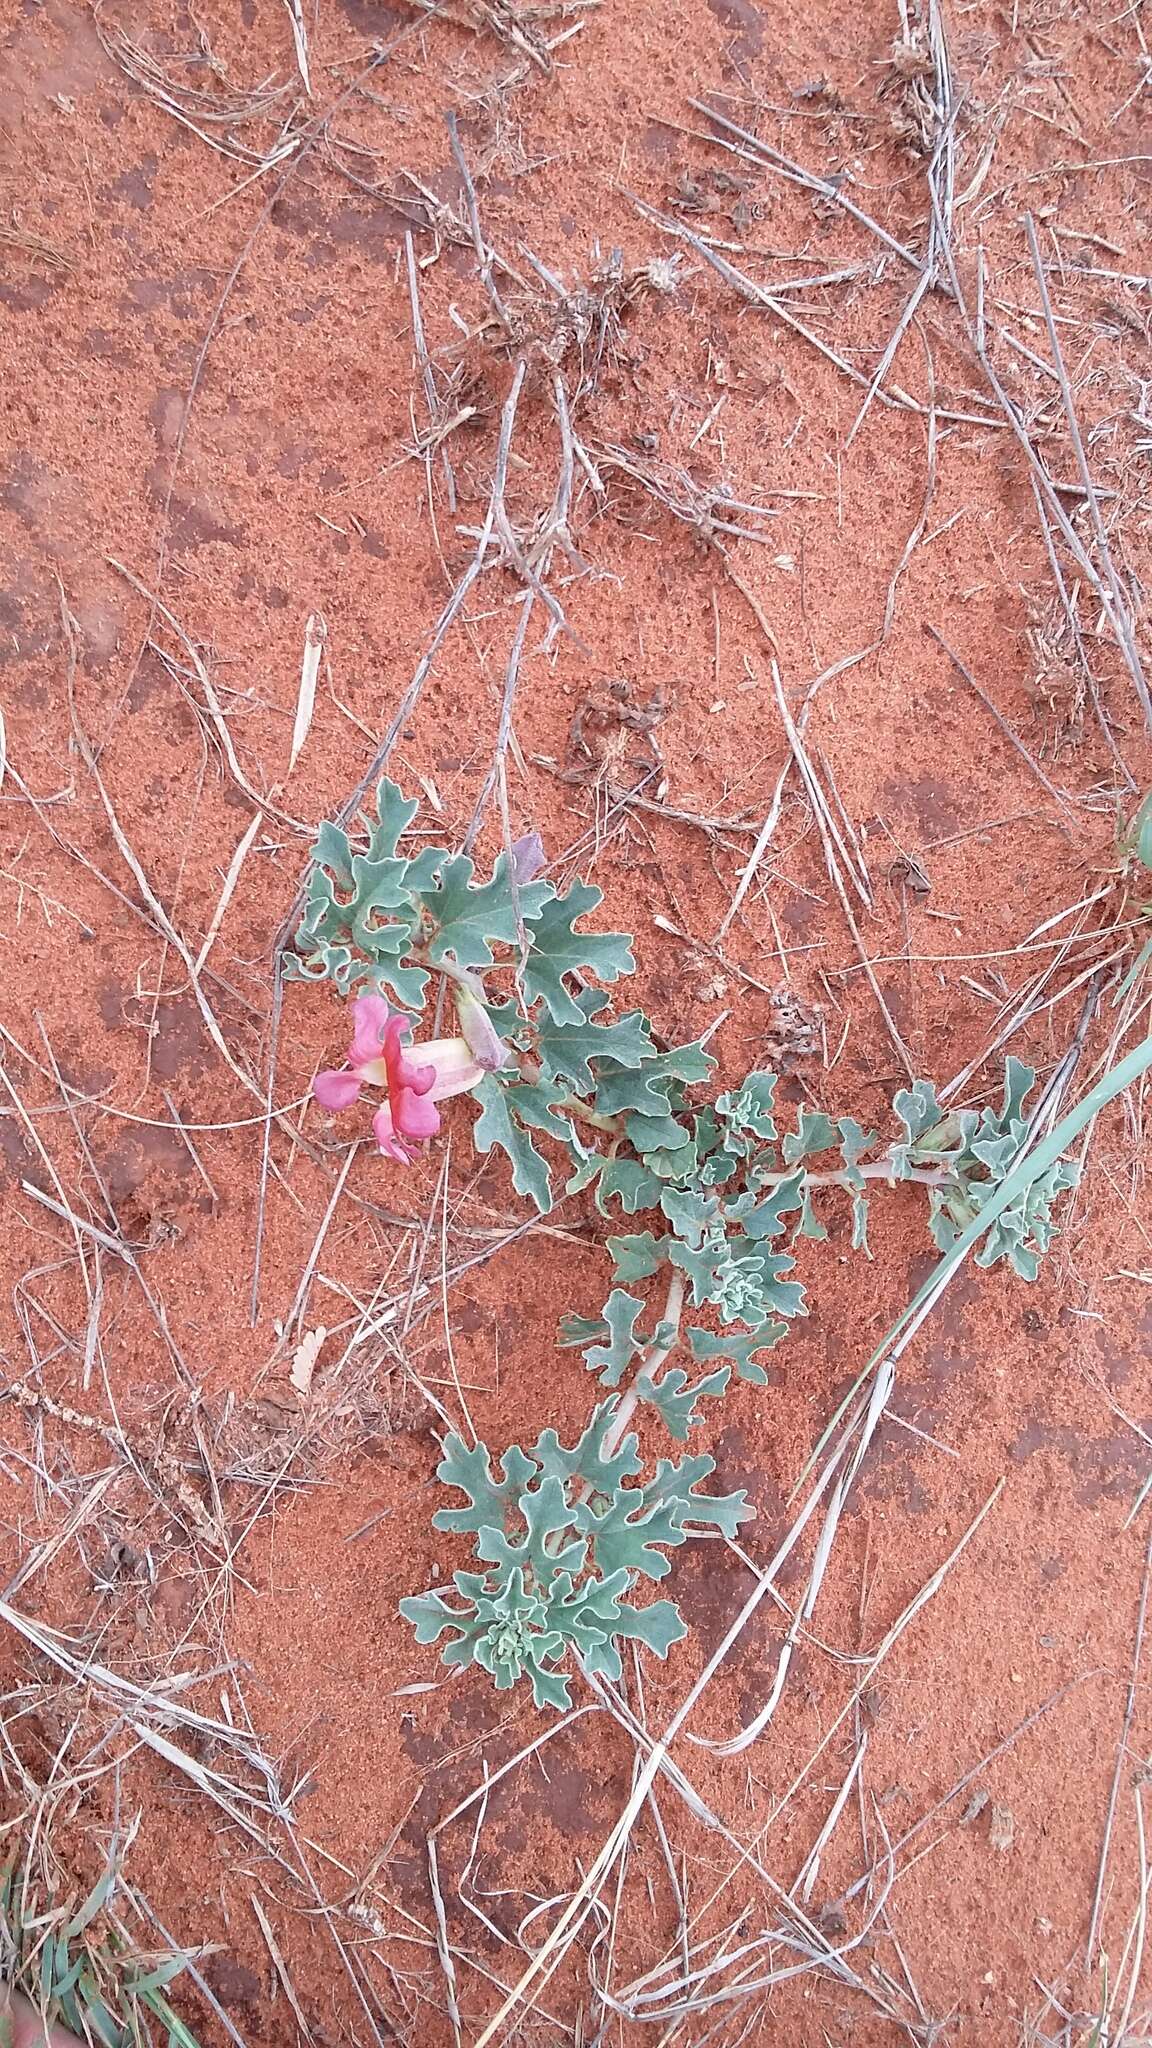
652, 1364
571, 1105
877, 1169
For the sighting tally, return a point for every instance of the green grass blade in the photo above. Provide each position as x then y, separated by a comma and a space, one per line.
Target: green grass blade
155, 1980
1134, 972
97, 1899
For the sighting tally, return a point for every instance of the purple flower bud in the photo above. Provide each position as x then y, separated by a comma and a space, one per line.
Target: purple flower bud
527, 856
483, 1040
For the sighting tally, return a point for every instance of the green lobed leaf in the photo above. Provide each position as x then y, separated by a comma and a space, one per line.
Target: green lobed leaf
675, 1398
652, 1134
628, 1182
1019, 1081
765, 1219
639, 1524
855, 1141
701, 1264
394, 814
917, 1109
333, 850
587, 1172
557, 950
657, 1626
677, 1484
645, 1088
546, 1514
587, 1459
497, 1125
612, 1358
814, 1132
630, 1533
690, 1213
995, 1152
680, 1166
569, 1049
360, 918
469, 915
536, 1107
470, 1470
738, 1349
638, 1257
335, 948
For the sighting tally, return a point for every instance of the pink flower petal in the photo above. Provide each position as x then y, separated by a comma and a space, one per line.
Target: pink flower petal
370, 1017
401, 1071
386, 1137
415, 1116
417, 1075
335, 1091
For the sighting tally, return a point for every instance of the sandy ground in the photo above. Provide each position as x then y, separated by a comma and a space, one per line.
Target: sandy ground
215, 426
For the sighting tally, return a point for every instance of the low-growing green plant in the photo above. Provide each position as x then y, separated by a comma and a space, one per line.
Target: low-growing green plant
725, 1185
74, 1965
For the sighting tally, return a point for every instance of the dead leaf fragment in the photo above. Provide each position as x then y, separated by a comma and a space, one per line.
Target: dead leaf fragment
1002, 1828
315, 638
304, 1361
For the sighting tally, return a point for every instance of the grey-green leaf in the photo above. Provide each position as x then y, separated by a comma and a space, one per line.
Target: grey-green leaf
638, 1257
766, 1220
628, 1182
657, 1626
496, 1125
645, 1089
675, 1398
611, 1359
739, 1348
814, 1132
569, 1049
917, 1109
557, 950
469, 915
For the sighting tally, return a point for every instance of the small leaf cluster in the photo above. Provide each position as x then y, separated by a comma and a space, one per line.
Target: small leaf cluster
614, 1342
737, 1181
974, 1151
374, 914
562, 1537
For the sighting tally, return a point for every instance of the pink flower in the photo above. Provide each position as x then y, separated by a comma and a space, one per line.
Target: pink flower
416, 1077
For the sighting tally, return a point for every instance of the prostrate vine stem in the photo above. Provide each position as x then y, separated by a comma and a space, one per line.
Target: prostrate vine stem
651, 1364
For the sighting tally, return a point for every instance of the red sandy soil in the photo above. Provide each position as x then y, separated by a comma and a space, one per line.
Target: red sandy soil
210, 399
